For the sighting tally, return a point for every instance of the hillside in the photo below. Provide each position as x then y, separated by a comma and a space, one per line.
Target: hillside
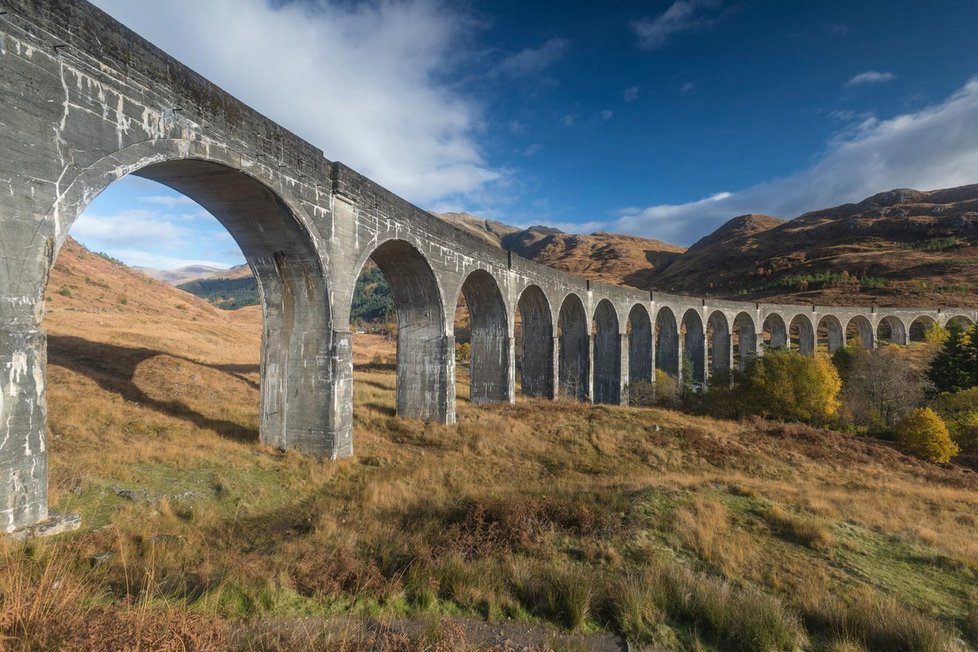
670, 530
899, 247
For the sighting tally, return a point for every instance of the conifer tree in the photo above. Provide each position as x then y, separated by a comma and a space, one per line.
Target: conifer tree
956, 365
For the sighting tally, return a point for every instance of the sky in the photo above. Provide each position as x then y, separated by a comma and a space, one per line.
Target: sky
662, 119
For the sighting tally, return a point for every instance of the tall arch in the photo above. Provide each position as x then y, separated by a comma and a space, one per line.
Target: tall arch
607, 354
891, 329
830, 333
860, 329
425, 355
694, 345
959, 321
537, 347
802, 334
745, 341
639, 344
667, 344
719, 342
919, 327
489, 378
573, 346
775, 331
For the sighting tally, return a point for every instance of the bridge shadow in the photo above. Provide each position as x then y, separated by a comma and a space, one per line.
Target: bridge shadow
113, 368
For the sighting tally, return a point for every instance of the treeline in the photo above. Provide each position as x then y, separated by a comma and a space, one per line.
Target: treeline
372, 300
932, 414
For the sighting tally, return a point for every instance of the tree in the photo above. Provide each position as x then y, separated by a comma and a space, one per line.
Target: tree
786, 385
924, 435
959, 411
881, 387
955, 367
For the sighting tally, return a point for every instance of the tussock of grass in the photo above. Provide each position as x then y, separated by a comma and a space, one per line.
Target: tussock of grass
809, 532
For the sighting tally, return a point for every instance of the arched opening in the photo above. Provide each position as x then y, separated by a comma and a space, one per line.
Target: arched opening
607, 354
719, 345
694, 347
802, 335
775, 331
573, 345
424, 386
487, 334
960, 322
667, 342
535, 342
891, 330
919, 328
859, 332
639, 345
745, 340
831, 335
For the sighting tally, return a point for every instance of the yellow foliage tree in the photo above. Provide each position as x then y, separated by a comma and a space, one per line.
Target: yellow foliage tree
791, 386
923, 434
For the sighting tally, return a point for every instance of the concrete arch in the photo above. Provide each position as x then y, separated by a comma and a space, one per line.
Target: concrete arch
639, 344
801, 334
694, 345
573, 347
424, 390
719, 342
279, 243
607, 354
489, 378
917, 331
860, 329
537, 346
959, 321
668, 348
775, 331
745, 340
891, 329
831, 332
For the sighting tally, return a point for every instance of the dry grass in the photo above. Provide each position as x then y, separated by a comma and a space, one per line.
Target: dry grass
582, 516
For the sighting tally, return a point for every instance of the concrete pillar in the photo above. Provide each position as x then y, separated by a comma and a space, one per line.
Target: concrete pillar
23, 426
511, 370
623, 365
589, 366
554, 380
426, 377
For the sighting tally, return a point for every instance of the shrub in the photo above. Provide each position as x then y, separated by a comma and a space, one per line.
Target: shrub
666, 389
924, 435
641, 393
463, 353
784, 385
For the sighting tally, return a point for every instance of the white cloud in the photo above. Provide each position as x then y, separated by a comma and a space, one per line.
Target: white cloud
169, 201
131, 228
630, 94
681, 16
362, 81
870, 77
936, 147
533, 61
606, 115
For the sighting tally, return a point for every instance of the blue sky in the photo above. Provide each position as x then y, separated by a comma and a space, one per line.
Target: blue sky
662, 119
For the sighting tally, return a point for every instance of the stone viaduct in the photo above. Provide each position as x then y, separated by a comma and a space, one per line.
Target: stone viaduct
85, 101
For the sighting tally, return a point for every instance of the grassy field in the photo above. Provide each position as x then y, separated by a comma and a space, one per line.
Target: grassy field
670, 530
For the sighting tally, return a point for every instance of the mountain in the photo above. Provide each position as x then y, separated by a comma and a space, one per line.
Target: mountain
182, 274
899, 247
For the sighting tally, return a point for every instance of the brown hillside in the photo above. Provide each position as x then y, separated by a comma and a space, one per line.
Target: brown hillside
903, 247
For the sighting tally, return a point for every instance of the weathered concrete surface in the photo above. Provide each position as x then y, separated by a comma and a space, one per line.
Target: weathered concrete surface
85, 101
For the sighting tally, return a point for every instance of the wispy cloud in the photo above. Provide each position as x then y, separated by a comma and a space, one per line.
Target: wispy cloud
630, 94
366, 82
840, 29
870, 77
681, 16
935, 147
532, 150
168, 201
687, 88
568, 120
606, 115
532, 62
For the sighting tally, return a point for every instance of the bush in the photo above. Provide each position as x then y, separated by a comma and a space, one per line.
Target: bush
666, 389
783, 385
924, 435
463, 353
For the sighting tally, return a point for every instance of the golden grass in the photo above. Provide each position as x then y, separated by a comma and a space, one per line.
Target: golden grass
533, 511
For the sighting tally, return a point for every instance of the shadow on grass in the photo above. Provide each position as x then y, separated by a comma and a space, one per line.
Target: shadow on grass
113, 368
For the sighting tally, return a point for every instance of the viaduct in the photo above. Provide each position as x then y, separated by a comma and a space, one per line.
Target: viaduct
86, 101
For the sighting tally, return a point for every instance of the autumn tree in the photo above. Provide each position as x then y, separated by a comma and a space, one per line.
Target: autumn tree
880, 387
923, 434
